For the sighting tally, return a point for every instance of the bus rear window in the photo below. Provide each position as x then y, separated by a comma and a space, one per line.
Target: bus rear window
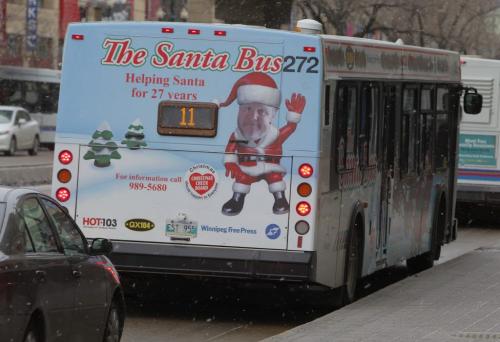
187, 119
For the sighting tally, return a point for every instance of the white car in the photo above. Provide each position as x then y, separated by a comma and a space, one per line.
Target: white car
18, 131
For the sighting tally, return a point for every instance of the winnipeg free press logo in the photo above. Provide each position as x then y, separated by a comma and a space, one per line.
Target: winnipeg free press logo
201, 181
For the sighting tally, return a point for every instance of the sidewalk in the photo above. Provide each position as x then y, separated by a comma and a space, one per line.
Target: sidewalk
455, 301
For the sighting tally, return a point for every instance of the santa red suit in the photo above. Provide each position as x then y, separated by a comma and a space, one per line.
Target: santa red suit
249, 160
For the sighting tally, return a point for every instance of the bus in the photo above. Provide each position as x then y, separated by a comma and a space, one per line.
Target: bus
240, 152
36, 90
479, 152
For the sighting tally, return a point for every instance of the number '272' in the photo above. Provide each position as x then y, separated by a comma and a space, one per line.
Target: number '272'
300, 63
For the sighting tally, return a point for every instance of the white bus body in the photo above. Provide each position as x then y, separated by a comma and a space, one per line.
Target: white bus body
154, 127
479, 153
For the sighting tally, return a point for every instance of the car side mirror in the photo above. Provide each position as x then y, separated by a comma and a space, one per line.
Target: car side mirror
473, 102
101, 247
21, 122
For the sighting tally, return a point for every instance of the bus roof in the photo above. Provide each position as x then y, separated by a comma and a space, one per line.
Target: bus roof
180, 30
30, 74
478, 60
348, 57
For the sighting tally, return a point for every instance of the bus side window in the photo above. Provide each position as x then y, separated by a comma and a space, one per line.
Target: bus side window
48, 97
16, 97
442, 129
367, 142
409, 130
346, 126
427, 109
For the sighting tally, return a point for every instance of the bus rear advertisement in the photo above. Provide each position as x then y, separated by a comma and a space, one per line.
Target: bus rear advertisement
231, 151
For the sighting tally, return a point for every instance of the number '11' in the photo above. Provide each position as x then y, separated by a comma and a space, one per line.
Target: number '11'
191, 117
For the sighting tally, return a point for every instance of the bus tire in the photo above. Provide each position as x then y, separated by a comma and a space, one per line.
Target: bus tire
12, 147
426, 260
352, 273
36, 146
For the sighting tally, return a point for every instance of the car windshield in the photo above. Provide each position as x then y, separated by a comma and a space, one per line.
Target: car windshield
5, 116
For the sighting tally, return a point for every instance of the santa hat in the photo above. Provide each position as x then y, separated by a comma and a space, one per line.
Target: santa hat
254, 87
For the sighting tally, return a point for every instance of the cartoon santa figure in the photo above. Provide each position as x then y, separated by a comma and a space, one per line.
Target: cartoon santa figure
254, 150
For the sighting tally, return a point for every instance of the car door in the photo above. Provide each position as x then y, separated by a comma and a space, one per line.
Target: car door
51, 271
29, 128
17, 288
91, 297
17, 130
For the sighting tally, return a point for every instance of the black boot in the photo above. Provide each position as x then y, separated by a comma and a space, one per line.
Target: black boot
281, 205
234, 205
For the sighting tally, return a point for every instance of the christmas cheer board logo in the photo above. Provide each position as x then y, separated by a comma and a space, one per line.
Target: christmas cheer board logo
201, 181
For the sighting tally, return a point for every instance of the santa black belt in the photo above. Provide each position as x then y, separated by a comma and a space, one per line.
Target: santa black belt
268, 159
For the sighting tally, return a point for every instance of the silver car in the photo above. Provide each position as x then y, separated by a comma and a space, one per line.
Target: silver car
18, 131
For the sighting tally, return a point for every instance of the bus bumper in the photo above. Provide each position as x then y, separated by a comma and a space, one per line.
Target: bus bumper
211, 261
478, 194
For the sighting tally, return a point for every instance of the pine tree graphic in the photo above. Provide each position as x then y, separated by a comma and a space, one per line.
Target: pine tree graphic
134, 138
102, 149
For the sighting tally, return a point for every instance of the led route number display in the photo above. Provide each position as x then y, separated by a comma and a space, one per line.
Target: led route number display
187, 118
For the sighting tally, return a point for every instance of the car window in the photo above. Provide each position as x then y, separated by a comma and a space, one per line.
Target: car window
5, 116
24, 115
38, 226
71, 238
15, 240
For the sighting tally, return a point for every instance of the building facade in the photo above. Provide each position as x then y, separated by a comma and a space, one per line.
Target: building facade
32, 31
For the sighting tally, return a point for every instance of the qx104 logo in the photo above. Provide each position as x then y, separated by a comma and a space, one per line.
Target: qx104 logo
119, 52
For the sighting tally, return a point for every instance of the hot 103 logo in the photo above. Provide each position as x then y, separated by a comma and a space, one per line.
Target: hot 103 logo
99, 222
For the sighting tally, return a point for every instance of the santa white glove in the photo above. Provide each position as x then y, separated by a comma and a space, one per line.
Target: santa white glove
295, 107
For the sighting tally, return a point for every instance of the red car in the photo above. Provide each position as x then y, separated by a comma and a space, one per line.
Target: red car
54, 286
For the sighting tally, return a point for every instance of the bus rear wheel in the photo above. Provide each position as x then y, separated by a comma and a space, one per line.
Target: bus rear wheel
352, 266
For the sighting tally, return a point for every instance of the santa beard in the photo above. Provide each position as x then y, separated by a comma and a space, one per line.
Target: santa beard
255, 120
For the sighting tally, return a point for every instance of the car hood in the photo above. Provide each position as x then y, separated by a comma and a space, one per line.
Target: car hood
5, 127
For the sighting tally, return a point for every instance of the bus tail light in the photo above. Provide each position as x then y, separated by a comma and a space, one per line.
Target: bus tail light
303, 208
167, 30
194, 31
302, 227
220, 33
304, 189
65, 157
306, 170
62, 194
64, 176
309, 49
77, 37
